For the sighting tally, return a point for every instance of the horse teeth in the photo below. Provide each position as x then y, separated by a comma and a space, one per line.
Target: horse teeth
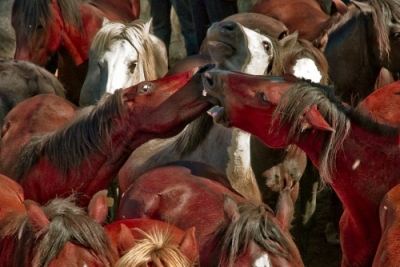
204, 92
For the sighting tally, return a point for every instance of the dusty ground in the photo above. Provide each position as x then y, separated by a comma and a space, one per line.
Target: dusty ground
318, 252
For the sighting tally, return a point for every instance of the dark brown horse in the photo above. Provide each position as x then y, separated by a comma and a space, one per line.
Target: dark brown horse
57, 34
230, 230
84, 155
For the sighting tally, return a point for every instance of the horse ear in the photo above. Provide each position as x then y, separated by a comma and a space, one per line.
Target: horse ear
313, 119
126, 241
188, 245
284, 209
289, 41
231, 208
364, 7
148, 25
36, 216
98, 209
105, 21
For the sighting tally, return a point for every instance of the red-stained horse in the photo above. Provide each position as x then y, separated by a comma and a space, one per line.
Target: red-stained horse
230, 230
59, 33
340, 142
84, 155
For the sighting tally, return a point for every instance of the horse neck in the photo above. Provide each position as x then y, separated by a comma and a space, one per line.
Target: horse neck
121, 10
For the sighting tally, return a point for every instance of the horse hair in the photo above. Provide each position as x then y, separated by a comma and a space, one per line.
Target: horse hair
34, 13
67, 223
68, 146
155, 249
135, 33
254, 223
290, 111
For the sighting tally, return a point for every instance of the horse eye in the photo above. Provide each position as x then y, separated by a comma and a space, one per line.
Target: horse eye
396, 35
264, 97
132, 66
147, 87
267, 45
39, 27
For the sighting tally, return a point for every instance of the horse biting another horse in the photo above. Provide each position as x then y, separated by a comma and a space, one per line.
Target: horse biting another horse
57, 34
188, 194
331, 134
84, 155
122, 55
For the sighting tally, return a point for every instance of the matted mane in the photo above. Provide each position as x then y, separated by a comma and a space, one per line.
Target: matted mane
303, 95
136, 33
276, 66
156, 249
33, 13
67, 223
68, 146
254, 224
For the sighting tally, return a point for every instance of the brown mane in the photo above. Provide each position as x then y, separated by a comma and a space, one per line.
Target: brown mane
67, 223
255, 223
83, 135
339, 117
33, 13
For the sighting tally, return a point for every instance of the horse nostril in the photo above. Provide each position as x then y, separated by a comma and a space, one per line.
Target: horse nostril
227, 27
208, 80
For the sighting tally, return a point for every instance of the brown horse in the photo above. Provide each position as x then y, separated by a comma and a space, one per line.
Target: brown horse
57, 234
57, 34
12, 197
21, 80
84, 155
188, 194
331, 134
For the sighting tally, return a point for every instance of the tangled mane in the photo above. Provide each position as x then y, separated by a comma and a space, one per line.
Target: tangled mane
68, 223
31, 14
157, 249
137, 34
68, 146
254, 224
276, 66
290, 111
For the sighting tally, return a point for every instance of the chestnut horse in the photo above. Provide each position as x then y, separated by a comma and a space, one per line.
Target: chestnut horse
188, 194
59, 234
331, 134
122, 55
21, 80
84, 155
12, 197
57, 34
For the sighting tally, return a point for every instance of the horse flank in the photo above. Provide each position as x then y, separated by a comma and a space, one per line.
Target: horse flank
136, 33
34, 13
255, 223
68, 146
155, 249
67, 223
290, 111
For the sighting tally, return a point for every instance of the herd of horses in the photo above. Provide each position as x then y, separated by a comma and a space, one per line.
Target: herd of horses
209, 153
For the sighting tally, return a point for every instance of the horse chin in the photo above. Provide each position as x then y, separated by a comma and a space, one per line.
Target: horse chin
219, 116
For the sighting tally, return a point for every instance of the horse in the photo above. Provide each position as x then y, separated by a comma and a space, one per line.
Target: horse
121, 55
147, 242
198, 141
12, 197
21, 80
57, 34
85, 154
57, 234
332, 134
230, 230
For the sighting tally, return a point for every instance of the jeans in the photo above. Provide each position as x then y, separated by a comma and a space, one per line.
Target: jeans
161, 12
206, 12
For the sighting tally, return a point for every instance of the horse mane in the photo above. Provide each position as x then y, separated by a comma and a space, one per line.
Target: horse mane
34, 13
290, 111
156, 249
79, 138
135, 33
254, 223
68, 223
51, 79
276, 66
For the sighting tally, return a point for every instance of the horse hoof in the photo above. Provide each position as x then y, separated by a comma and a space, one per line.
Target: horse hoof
332, 234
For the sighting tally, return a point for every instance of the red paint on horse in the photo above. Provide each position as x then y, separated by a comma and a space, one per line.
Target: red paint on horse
188, 194
59, 36
362, 172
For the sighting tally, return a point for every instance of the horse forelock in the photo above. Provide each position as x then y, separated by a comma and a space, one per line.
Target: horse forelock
67, 223
75, 142
255, 223
155, 249
276, 66
135, 33
29, 14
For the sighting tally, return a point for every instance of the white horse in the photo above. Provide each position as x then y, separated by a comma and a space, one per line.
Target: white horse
122, 55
